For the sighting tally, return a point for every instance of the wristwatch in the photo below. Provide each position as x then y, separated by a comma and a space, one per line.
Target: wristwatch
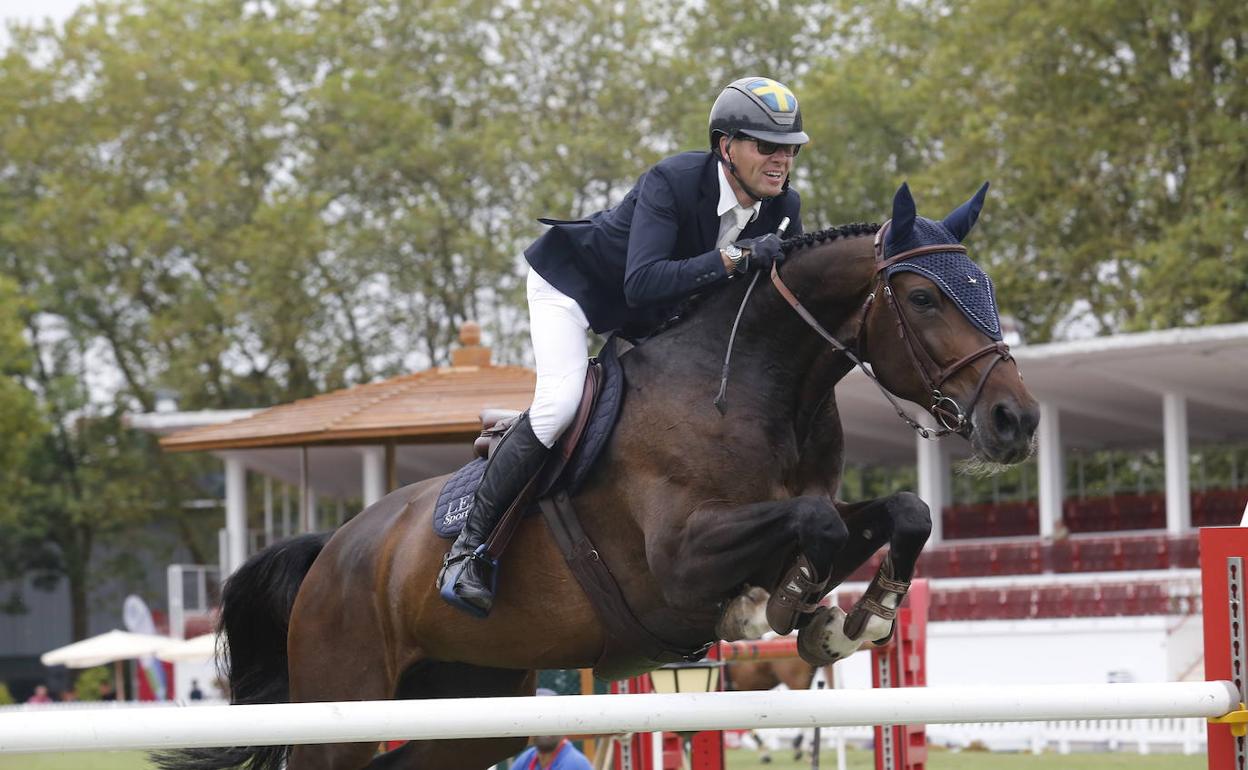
736, 256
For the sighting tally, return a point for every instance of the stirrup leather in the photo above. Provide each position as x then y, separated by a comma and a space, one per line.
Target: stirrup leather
881, 599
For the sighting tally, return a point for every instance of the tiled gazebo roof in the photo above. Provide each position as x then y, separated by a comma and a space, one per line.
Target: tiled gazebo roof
436, 405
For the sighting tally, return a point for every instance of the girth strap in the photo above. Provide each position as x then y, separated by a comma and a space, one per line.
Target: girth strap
630, 647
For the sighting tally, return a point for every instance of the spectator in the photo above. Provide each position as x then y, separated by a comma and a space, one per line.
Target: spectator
41, 695
551, 752
106, 691
196, 693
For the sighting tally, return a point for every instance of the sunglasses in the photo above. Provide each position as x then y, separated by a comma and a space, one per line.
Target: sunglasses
771, 148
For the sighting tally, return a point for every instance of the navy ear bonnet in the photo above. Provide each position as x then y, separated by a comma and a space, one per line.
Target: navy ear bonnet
958, 277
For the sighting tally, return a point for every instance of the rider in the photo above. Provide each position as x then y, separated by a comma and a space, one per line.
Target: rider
690, 222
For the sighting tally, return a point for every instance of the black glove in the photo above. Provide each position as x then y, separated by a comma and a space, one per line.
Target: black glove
763, 251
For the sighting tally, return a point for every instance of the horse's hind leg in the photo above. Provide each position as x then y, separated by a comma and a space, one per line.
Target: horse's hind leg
336, 652
433, 679
903, 521
338, 680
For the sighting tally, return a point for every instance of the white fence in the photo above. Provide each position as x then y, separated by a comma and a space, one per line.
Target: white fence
1145, 736
373, 721
1169, 735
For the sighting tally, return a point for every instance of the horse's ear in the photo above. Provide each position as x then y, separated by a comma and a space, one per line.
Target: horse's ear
903, 215
963, 217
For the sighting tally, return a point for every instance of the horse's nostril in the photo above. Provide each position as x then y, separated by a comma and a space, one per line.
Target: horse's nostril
1005, 421
1028, 420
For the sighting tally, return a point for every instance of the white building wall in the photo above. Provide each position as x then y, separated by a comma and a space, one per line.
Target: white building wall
1059, 651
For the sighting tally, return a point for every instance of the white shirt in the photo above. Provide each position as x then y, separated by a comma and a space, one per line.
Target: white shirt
732, 216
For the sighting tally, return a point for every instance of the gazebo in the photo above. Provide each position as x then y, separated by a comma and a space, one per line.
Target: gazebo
359, 442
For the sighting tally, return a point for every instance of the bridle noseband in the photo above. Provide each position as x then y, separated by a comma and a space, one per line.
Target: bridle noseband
952, 417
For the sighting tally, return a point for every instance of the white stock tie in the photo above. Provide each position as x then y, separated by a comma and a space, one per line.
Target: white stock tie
743, 217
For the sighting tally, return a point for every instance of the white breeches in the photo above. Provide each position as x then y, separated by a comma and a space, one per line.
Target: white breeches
561, 351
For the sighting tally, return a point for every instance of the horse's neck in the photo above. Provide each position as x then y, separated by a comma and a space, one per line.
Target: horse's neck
831, 280
782, 371
815, 419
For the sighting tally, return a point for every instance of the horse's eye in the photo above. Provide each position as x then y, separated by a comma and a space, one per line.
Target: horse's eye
922, 299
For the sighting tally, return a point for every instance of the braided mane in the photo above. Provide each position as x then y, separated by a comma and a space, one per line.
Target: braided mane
806, 240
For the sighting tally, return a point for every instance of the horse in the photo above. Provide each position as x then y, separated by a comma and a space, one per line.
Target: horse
763, 675
689, 506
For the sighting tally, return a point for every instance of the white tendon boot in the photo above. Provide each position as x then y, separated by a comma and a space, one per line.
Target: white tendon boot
832, 635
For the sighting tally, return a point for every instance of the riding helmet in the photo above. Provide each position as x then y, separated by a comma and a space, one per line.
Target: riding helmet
760, 108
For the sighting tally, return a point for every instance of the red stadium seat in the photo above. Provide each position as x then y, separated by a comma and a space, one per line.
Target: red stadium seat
1185, 551
1086, 601
1054, 602
1141, 553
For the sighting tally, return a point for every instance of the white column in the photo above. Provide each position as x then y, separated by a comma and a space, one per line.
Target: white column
374, 473
1178, 488
312, 513
235, 512
934, 480
270, 536
1049, 460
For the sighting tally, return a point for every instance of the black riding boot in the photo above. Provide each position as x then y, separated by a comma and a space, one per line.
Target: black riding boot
468, 577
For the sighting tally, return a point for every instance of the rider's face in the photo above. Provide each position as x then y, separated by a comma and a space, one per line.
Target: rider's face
764, 174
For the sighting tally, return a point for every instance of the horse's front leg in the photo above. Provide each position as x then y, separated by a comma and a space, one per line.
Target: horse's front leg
716, 551
903, 521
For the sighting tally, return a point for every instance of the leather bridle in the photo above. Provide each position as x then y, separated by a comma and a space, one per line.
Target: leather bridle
952, 417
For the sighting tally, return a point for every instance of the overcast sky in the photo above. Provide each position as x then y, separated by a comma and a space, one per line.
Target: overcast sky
34, 10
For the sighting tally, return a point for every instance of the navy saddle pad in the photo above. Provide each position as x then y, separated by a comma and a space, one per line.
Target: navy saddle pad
455, 500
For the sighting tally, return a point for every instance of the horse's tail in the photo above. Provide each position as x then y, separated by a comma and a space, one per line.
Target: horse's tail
255, 617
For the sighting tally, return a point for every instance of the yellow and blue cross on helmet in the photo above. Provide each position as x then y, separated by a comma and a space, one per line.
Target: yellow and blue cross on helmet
777, 96
759, 107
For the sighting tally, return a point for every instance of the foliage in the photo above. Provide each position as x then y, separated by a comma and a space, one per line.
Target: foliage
87, 685
1108, 130
20, 425
6, 697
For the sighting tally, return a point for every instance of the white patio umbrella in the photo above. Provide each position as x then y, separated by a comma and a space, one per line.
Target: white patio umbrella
111, 647
105, 648
197, 649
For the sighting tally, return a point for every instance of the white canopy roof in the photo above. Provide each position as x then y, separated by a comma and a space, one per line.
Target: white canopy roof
197, 649
105, 648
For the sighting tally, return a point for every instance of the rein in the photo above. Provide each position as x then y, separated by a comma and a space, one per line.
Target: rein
951, 416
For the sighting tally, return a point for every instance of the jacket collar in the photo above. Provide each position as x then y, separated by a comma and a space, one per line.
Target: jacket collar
708, 203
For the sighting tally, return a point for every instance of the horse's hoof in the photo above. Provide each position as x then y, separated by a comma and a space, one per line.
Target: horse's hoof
745, 617
823, 640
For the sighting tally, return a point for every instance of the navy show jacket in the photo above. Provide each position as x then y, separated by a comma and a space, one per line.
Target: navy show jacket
628, 266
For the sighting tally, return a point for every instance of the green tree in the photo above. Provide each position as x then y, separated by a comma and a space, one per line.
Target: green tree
22, 428
1111, 132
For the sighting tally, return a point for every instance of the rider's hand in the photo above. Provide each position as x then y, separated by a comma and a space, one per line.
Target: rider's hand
763, 251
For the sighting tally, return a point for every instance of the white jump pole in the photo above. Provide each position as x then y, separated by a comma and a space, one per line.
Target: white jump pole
374, 721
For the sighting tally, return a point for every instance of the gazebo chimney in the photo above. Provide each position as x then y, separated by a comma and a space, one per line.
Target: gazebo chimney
472, 352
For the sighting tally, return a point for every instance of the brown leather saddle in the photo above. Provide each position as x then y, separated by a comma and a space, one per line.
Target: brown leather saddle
496, 422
